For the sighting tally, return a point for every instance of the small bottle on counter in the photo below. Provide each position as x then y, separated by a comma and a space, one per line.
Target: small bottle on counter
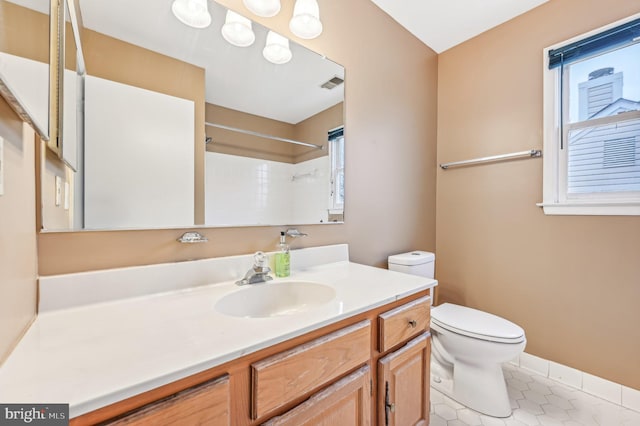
283, 258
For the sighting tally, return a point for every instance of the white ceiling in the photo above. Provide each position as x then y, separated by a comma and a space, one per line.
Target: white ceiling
442, 24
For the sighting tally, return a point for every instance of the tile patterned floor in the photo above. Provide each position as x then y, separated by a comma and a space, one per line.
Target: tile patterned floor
536, 400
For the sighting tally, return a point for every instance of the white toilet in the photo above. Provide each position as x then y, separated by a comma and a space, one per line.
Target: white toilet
468, 346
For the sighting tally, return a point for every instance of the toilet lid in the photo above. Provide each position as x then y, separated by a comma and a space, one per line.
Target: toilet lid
474, 323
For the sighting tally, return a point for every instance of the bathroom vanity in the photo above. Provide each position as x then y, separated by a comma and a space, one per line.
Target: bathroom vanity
124, 354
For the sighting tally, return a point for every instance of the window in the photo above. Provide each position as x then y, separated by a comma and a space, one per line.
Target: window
592, 123
336, 156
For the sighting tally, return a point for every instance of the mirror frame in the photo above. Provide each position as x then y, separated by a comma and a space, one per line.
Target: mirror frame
58, 10
56, 65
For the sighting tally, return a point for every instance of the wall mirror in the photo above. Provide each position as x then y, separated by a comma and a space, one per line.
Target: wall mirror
24, 60
179, 127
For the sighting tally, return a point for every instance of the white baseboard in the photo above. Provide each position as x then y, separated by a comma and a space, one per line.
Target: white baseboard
613, 392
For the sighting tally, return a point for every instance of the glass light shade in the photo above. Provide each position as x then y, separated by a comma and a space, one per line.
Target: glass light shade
237, 30
305, 22
193, 13
264, 8
276, 49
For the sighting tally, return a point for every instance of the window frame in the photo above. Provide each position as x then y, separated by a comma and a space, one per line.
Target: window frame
335, 206
556, 200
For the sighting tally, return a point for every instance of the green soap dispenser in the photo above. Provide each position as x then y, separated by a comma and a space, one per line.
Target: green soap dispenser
283, 258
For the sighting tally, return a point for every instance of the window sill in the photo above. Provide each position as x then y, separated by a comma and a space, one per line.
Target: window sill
592, 209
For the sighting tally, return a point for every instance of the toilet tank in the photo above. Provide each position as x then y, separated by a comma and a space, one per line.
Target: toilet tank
414, 262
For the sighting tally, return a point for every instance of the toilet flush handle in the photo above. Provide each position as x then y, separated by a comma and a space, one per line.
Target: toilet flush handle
413, 323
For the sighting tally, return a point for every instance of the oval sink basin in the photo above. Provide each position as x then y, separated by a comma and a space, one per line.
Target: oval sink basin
274, 299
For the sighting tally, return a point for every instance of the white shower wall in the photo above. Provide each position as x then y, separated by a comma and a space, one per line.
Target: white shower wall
250, 191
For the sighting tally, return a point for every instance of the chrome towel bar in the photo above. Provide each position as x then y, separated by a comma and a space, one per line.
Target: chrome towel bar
531, 154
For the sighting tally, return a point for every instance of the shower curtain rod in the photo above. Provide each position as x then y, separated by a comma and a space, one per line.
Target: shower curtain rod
263, 135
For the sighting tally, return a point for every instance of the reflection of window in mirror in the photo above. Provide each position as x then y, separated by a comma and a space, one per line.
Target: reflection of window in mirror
336, 156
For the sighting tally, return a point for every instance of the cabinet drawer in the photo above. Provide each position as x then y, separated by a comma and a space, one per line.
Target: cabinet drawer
204, 404
281, 378
403, 323
346, 402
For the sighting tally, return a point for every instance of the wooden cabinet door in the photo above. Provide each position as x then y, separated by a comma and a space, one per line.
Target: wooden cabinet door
206, 404
403, 384
347, 402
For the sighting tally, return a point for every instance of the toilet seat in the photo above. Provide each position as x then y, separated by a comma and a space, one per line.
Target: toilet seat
477, 324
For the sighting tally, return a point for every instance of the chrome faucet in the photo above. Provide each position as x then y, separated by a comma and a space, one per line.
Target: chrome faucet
259, 272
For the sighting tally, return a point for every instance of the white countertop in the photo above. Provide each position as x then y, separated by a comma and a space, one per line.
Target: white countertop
95, 355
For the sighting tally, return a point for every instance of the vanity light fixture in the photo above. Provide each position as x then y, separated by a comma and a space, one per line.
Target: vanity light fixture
193, 13
305, 22
276, 49
237, 30
264, 8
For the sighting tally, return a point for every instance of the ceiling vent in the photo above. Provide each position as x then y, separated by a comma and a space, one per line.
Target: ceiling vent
333, 83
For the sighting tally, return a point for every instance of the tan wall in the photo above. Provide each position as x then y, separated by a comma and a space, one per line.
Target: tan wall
24, 32
573, 283
18, 272
18, 285
390, 133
